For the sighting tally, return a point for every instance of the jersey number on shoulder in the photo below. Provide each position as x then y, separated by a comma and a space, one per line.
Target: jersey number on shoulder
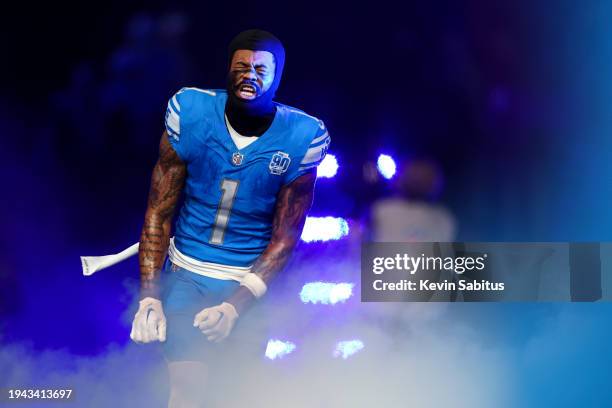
229, 188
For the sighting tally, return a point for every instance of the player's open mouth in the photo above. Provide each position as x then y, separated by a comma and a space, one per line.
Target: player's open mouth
247, 91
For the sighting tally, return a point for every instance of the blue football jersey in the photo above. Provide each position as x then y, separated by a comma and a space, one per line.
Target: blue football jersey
230, 193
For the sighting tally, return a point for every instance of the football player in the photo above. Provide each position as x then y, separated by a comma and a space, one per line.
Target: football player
247, 167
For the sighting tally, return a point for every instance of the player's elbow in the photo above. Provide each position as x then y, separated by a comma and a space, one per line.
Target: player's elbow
284, 245
157, 217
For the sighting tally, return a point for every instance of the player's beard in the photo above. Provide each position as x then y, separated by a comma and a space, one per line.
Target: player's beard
249, 117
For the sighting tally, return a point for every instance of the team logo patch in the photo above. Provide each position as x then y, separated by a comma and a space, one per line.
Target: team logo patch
237, 159
279, 163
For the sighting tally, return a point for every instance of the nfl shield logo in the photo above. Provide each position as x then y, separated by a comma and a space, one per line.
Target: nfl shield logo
279, 163
237, 159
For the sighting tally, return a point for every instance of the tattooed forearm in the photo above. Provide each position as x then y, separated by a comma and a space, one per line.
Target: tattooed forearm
166, 185
292, 204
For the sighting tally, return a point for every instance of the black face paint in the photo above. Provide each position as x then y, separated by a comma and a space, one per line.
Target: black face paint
254, 117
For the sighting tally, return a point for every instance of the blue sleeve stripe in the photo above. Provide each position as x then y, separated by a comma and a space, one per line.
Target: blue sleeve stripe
172, 107
172, 134
171, 131
315, 153
173, 121
319, 143
310, 166
174, 104
312, 163
319, 139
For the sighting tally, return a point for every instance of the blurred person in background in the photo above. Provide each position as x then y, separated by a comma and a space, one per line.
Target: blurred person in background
413, 212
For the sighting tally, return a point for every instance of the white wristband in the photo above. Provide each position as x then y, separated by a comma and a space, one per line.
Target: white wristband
255, 284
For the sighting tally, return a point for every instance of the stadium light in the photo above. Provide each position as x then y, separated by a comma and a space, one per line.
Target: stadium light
386, 166
328, 167
324, 229
326, 293
278, 348
345, 349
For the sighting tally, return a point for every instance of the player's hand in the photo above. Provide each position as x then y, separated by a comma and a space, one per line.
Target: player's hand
149, 322
216, 322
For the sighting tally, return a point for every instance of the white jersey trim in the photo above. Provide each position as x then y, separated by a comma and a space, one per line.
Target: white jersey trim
206, 91
320, 138
301, 113
176, 103
212, 270
173, 120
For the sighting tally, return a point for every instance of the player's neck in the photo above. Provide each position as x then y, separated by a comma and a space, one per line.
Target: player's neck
249, 120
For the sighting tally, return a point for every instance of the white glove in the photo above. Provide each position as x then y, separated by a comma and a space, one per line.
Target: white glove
216, 322
149, 322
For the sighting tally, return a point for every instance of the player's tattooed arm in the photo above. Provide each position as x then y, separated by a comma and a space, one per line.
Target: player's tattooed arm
292, 205
167, 183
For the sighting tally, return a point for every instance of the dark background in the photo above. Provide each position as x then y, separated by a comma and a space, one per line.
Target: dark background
508, 97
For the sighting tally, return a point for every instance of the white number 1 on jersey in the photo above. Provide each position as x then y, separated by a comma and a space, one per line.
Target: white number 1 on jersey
229, 188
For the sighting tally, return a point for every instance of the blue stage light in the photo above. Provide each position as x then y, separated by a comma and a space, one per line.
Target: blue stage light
278, 348
386, 166
345, 349
326, 293
328, 167
324, 229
